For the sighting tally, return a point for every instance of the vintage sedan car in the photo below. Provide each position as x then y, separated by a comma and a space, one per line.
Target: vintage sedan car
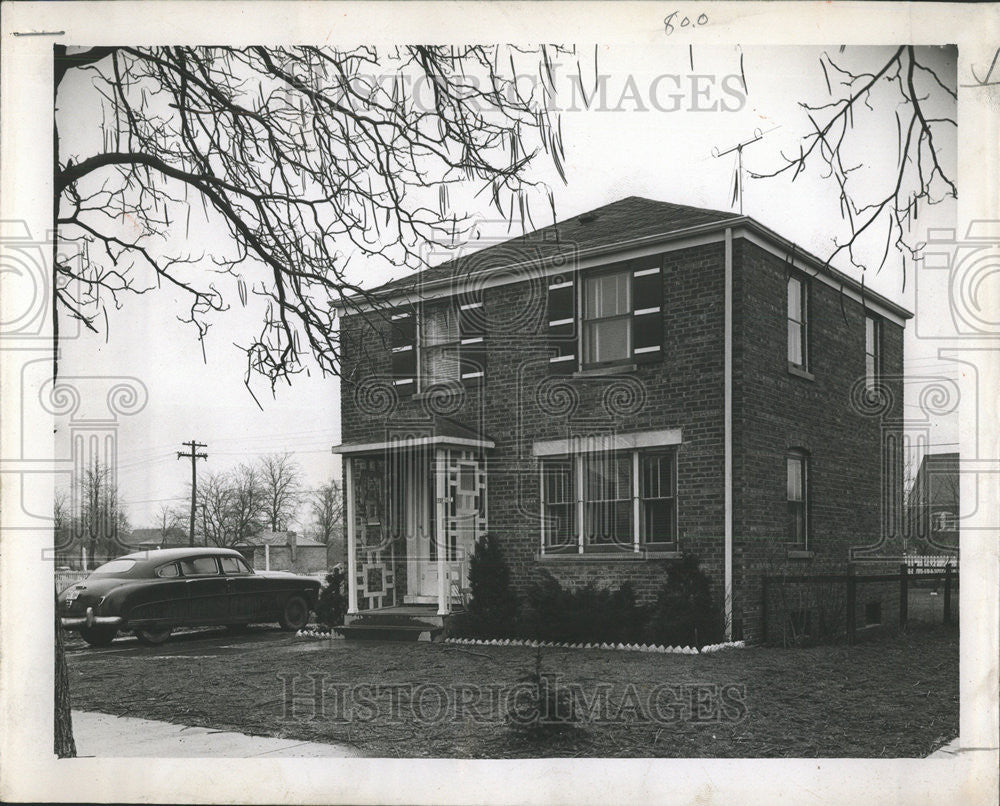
152, 592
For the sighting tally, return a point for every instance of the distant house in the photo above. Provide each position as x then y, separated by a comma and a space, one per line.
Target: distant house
934, 504
149, 539
284, 551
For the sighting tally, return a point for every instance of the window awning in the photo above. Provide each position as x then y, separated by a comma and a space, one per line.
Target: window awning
593, 443
440, 432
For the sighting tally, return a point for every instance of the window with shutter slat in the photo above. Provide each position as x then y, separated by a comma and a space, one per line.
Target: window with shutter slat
647, 313
403, 344
472, 333
562, 329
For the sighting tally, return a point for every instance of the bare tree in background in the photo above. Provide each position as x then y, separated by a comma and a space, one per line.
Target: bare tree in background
168, 519
304, 156
232, 506
326, 506
281, 482
101, 522
908, 93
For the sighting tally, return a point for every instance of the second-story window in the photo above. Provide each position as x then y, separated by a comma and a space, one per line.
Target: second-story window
439, 354
607, 318
798, 322
873, 352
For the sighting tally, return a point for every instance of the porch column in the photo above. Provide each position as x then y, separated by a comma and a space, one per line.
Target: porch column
440, 536
352, 549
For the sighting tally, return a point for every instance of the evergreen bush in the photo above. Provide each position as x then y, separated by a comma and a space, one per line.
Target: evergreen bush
685, 613
332, 603
492, 611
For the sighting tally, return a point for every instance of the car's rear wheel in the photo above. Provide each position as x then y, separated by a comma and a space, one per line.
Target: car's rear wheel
153, 637
98, 635
295, 615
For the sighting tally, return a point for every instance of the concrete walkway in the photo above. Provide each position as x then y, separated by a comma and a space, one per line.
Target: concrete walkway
110, 736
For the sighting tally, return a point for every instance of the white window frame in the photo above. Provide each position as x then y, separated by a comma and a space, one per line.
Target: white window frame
578, 460
873, 377
802, 322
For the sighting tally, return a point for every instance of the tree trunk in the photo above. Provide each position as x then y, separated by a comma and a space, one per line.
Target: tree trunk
64, 745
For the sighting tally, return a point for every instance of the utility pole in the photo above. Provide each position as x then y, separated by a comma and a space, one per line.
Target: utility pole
194, 457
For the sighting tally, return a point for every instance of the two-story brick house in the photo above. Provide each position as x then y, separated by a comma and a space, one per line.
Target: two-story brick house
606, 393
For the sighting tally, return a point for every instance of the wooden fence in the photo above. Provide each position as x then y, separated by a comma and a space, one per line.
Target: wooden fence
849, 584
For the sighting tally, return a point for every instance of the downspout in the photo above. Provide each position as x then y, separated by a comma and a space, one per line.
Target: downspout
728, 439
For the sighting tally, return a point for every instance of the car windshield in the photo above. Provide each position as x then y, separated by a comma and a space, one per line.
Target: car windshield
115, 567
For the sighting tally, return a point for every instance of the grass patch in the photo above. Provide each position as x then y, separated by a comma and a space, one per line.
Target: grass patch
892, 698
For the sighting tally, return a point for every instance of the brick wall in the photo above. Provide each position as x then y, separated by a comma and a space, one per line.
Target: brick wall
773, 411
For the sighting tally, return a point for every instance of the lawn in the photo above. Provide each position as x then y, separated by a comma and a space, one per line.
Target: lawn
896, 697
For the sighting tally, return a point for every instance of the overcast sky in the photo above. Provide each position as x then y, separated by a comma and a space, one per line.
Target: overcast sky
653, 136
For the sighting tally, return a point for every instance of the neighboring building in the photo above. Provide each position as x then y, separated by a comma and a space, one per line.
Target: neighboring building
149, 539
640, 381
934, 505
284, 551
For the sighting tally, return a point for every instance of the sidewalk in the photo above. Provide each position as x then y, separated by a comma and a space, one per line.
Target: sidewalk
123, 736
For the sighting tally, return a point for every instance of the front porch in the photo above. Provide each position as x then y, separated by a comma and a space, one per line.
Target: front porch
414, 622
415, 504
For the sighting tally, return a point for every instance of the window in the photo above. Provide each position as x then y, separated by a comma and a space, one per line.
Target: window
234, 565
798, 318
199, 566
873, 352
607, 511
607, 318
658, 499
798, 498
115, 567
439, 361
170, 570
559, 504
604, 501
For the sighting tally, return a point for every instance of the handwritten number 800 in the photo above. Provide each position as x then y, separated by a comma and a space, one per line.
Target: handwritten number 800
685, 22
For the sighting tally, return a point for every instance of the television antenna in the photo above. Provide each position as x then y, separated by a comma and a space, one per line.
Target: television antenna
758, 135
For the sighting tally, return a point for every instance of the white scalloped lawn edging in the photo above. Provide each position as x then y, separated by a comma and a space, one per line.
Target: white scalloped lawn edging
676, 650
333, 634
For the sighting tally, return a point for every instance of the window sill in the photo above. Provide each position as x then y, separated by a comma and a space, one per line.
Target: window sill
800, 554
607, 556
598, 372
799, 372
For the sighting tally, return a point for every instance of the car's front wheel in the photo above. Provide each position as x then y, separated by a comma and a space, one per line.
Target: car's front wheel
153, 637
295, 615
98, 635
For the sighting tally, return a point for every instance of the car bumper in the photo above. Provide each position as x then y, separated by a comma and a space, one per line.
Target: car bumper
90, 620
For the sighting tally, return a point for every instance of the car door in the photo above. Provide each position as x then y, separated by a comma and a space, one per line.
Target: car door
208, 599
162, 601
249, 599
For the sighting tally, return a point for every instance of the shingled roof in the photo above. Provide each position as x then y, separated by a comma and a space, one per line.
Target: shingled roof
624, 220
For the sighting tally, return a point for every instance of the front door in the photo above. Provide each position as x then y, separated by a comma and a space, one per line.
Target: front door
415, 480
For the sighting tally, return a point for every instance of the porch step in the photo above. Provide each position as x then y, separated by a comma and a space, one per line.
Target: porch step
367, 631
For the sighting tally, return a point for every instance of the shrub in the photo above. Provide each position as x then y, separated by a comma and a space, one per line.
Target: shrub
492, 611
588, 614
685, 614
332, 603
